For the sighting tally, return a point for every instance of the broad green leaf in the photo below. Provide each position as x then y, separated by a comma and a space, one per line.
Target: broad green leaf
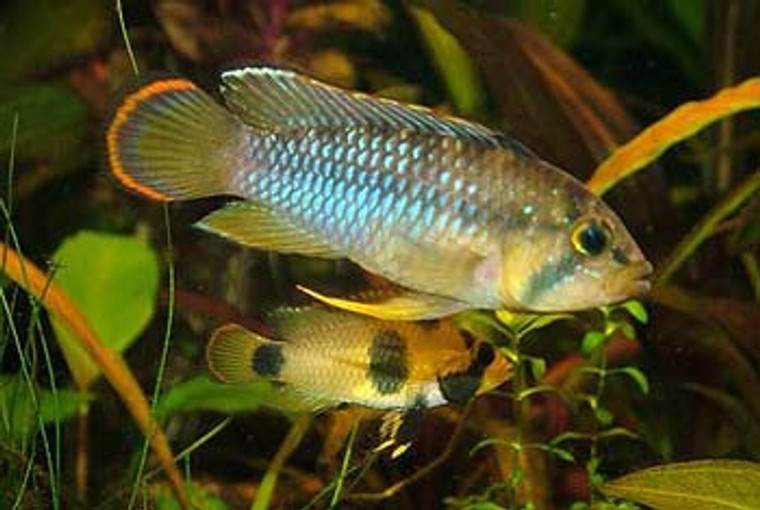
203, 394
697, 485
18, 415
113, 279
38, 35
457, 69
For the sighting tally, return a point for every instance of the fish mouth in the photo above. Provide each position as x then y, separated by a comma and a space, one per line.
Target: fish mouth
632, 280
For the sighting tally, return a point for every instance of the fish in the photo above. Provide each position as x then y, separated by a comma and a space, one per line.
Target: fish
328, 357
458, 215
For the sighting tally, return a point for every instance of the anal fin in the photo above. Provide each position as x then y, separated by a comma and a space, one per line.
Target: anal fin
407, 306
257, 226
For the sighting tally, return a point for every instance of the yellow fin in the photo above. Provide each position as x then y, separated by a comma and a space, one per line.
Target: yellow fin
408, 306
256, 226
237, 355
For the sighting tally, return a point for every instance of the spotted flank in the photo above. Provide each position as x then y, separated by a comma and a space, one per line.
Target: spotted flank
457, 214
330, 357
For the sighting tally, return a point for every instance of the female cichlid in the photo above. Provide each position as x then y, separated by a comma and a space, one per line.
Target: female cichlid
462, 216
331, 357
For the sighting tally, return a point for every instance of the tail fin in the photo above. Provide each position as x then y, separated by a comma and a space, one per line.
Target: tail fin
169, 140
236, 355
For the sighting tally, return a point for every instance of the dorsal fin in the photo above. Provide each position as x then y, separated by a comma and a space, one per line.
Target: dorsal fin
272, 99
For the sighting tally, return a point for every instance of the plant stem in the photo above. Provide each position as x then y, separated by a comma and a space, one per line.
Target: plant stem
289, 444
80, 462
707, 225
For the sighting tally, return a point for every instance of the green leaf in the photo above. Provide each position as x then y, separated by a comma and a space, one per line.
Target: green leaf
113, 279
697, 485
523, 323
592, 340
200, 498
637, 310
18, 415
459, 73
634, 373
45, 34
203, 394
603, 415
537, 367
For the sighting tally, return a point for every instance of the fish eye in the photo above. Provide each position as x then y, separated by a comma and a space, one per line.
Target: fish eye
590, 238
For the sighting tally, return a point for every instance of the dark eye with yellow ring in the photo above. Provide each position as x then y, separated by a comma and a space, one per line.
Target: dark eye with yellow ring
590, 238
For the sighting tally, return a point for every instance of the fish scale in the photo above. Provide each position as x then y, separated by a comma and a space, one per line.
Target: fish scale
373, 198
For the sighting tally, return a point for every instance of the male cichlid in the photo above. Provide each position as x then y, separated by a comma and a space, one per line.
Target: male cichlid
331, 357
462, 216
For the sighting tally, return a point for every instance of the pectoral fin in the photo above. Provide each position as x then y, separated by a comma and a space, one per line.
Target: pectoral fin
398, 430
404, 307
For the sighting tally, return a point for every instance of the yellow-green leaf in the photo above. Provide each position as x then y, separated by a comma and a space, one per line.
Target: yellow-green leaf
113, 280
455, 66
697, 485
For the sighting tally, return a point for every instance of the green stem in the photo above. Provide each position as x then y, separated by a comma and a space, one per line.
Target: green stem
707, 225
290, 443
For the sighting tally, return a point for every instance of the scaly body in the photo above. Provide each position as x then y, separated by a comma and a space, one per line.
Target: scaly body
461, 215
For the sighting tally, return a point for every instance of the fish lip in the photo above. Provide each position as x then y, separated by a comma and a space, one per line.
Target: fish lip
632, 279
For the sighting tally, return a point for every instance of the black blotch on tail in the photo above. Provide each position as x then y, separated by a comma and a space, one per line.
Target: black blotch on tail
459, 387
267, 360
388, 362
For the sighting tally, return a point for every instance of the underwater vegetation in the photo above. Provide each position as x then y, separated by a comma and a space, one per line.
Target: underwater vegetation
121, 320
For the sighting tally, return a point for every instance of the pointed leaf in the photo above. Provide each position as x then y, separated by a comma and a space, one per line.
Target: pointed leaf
698, 485
637, 310
453, 63
203, 394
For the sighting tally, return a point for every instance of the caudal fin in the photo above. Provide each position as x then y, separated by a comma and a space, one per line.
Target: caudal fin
236, 355
169, 140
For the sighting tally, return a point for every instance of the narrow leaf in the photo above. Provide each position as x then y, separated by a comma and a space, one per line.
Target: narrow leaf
678, 125
115, 370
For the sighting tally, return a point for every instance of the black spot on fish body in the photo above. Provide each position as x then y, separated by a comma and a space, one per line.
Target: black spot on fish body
429, 324
388, 362
459, 387
267, 360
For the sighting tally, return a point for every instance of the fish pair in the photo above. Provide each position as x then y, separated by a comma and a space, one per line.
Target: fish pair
458, 215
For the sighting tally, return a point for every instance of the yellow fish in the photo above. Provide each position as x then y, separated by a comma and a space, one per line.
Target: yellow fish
460, 215
331, 357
